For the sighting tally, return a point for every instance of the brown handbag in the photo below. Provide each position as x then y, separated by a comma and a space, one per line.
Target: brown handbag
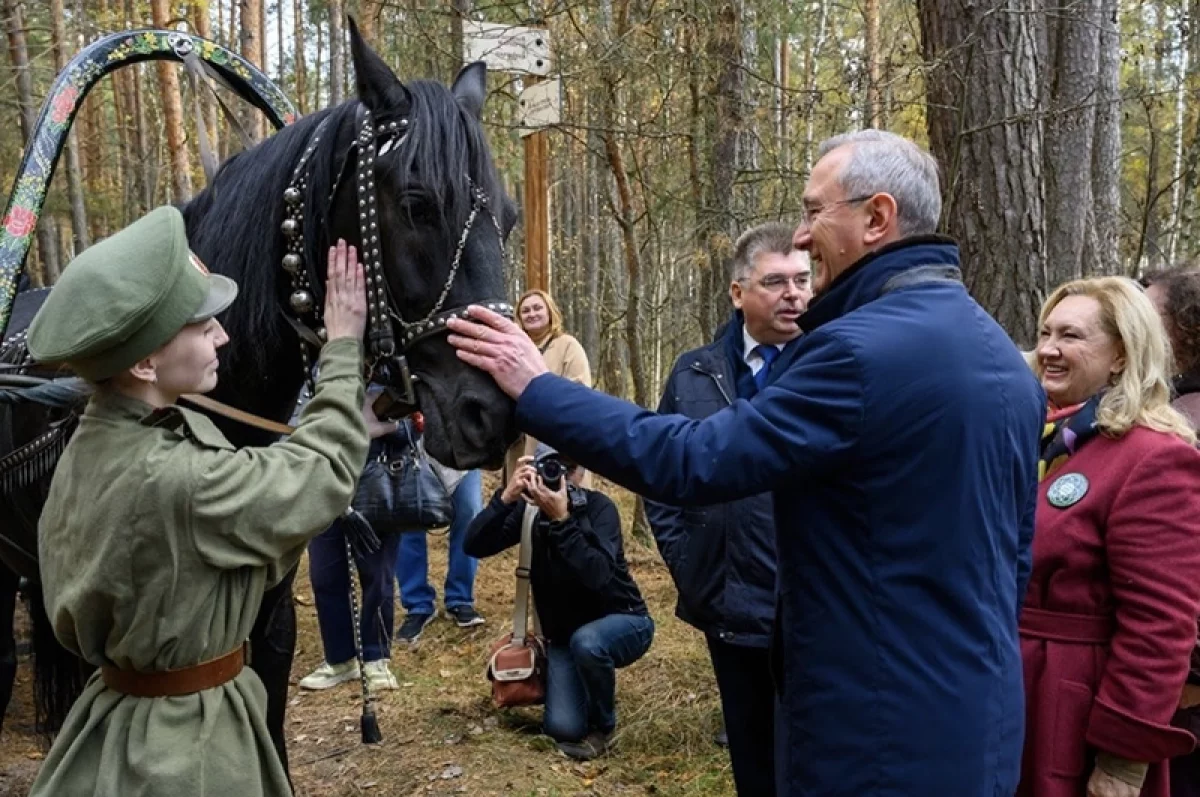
517, 661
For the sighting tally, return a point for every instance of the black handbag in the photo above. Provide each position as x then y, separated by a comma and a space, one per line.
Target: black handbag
400, 490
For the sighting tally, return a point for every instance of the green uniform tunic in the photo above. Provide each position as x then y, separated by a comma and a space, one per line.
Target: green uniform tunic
156, 544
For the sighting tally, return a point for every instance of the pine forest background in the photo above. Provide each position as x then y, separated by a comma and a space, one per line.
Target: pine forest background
1067, 134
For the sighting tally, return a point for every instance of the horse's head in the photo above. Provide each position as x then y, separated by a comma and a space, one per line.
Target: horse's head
443, 216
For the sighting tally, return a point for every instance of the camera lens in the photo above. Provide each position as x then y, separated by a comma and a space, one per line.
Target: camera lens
551, 471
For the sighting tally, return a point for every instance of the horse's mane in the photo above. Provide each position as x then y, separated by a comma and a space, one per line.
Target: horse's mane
234, 225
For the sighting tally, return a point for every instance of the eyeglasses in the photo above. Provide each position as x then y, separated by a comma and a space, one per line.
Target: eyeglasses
773, 283
812, 211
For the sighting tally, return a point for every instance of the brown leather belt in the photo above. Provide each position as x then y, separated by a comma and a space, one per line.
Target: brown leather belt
172, 683
1089, 629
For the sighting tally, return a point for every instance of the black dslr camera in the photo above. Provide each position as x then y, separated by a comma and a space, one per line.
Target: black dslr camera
552, 470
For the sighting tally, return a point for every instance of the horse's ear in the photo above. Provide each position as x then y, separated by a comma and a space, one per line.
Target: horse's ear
378, 87
470, 87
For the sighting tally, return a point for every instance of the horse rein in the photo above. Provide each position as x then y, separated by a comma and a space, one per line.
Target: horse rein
385, 356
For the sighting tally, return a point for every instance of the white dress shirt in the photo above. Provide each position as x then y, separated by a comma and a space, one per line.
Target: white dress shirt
752, 358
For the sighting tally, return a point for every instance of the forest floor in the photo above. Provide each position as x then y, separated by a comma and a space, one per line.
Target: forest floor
441, 735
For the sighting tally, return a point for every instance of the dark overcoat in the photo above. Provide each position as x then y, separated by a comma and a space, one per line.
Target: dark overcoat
901, 443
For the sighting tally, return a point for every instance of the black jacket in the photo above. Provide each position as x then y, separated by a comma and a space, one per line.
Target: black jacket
722, 557
578, 572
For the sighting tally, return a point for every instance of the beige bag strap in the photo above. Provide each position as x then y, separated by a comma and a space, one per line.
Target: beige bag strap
523, 602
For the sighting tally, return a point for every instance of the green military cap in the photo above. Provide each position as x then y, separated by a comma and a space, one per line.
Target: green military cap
123, 298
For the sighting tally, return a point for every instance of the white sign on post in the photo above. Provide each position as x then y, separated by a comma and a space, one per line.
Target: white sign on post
541, 106
507, 48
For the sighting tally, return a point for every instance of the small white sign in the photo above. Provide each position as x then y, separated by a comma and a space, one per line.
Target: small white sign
541, 106
507, 48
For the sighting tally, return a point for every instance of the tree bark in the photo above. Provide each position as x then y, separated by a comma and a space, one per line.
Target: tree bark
251, 43
94, 157
874, 104
74, 172
27, 117
728, 124
1073, 43
172, 107
625, 212
298, 68
316, 103
1101, 253
982, 93
337, 60
208, 103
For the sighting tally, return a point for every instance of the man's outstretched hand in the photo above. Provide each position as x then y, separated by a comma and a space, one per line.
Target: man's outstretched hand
492, 343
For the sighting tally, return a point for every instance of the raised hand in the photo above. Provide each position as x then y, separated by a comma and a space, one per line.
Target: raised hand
345, 294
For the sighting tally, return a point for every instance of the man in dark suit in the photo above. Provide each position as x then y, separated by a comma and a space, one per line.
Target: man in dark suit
722, 557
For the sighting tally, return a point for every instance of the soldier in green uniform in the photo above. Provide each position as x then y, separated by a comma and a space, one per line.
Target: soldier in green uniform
159, 537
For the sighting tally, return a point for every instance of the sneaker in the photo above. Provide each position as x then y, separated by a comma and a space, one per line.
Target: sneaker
594, 745
465, 616
379, 675
411, 628
329, 675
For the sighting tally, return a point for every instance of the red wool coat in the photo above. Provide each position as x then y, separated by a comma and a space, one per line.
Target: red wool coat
1110, 615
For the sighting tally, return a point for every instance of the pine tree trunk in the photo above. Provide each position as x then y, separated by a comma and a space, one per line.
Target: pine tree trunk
27, 117
982, 91
251, 44
95, 127
1071, 82
298, 67
728, 123
318, 71
874, 104
208, 103
74, 171
625, 215
337, 59
172, 108
1101, 254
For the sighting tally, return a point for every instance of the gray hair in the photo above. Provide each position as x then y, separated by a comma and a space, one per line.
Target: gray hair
773, 236
885, 163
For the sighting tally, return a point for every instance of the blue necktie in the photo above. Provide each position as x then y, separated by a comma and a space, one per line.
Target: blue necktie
768, 354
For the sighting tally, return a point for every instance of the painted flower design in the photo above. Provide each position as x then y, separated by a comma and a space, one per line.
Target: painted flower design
20, 221
64, 104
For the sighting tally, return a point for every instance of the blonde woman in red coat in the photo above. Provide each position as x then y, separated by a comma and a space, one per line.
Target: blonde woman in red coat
1110, 615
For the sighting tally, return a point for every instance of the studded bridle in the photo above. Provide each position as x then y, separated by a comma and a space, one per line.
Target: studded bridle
386, 356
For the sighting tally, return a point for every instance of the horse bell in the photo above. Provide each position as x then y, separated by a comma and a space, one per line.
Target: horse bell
301, 301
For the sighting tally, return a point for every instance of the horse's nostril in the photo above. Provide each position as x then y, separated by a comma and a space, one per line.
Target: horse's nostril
472, 413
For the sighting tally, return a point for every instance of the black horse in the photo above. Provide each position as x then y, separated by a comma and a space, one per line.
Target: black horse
442, 217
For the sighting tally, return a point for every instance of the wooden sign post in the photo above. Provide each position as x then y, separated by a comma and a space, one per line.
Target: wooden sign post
509, 48
536, 207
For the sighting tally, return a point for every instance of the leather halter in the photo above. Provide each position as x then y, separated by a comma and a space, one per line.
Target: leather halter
385, 356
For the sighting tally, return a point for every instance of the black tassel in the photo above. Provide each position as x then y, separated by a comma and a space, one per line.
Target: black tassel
360, 534
370, 725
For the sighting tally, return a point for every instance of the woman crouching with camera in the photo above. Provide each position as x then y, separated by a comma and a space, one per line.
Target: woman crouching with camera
591, 612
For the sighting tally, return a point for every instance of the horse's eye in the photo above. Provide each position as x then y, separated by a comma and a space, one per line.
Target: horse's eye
418, 206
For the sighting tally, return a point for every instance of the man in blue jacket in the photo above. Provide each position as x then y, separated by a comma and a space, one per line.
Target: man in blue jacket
722, 557
900, 438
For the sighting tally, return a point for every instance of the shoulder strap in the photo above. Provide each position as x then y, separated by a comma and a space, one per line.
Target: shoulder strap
522, 603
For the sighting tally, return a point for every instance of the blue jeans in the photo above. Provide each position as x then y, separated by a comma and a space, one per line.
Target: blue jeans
581, 676
417, 595
331, 588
